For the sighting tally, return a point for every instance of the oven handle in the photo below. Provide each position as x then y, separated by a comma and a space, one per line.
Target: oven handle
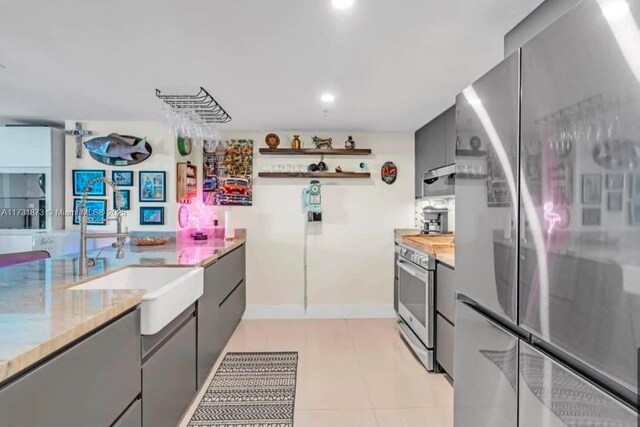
413, 270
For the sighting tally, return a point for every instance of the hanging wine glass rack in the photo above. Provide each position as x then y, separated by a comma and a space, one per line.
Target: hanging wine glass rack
202, 104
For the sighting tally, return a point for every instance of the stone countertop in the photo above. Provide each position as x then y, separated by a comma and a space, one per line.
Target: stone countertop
449, 259
39, 314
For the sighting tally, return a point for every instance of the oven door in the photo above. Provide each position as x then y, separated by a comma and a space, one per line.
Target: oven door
415, 299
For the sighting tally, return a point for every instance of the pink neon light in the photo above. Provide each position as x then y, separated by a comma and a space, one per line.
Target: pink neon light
551, 216
197, 215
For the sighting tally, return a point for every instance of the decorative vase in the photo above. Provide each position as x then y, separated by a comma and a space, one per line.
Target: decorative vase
350, 144
296, 144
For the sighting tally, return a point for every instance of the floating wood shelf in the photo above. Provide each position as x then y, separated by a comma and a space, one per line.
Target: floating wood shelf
470, 176
471, 153
316, 151
314, 174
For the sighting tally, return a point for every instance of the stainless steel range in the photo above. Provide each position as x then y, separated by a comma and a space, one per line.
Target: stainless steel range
416, 306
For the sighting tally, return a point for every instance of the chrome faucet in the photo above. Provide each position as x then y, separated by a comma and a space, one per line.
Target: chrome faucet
121, 237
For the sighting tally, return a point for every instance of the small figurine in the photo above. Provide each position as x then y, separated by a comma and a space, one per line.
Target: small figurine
322, 166
350, 144
363, 167
338, 169
475, 143
322, 143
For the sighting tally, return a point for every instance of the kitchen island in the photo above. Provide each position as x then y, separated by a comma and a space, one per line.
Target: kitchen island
43, 321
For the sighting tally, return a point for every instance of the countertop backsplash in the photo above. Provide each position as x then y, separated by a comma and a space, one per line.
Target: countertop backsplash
436, 202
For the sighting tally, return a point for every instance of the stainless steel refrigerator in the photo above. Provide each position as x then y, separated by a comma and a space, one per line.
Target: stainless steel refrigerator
548, 228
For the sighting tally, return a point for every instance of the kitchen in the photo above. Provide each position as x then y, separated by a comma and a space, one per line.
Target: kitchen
200, 245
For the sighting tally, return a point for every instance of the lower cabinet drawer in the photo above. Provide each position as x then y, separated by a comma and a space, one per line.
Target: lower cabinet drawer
444, 344
90, 384
231, 311
445, 291
133, 416
226, 273
169, 379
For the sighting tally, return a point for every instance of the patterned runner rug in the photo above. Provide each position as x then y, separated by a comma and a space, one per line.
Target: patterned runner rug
250, 390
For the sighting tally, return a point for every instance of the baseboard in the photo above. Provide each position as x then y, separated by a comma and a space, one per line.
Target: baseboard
340, 311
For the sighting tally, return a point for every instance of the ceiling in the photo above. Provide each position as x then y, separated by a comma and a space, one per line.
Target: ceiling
392, 64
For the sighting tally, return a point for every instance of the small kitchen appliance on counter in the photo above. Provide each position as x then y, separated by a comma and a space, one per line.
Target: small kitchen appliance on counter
435, 220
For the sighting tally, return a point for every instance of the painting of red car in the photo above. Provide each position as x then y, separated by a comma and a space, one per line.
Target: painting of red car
234, 191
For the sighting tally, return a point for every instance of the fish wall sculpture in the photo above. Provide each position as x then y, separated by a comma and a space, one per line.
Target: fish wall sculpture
118, 150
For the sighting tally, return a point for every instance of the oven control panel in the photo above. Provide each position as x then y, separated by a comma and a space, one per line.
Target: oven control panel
422, 259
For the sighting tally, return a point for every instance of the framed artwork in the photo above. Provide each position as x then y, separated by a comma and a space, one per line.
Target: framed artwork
152, 186
82, 176
614, 201
615, 181
122, 178
635, 186
151, 215
228, 173
96, 211
591, 216
591, 189
634, 212
126, 197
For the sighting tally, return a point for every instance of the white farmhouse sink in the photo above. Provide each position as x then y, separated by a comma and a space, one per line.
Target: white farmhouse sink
170, 290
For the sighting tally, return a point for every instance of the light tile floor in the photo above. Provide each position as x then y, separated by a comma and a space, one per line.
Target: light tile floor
351, 373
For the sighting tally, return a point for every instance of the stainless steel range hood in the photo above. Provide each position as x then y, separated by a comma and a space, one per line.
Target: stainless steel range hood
439, 181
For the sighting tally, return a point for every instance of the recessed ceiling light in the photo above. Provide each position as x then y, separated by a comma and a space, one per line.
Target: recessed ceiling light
342, 4
328, 98
615, 10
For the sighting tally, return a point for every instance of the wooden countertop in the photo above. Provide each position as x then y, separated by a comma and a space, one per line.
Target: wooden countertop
39, 314
412, 238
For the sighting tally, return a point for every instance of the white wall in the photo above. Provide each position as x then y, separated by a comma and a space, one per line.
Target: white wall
350, 255
163, 158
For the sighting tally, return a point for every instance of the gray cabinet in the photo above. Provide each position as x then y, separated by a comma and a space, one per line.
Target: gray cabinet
220, 308
450, 136
435, 150
169, 378
435, 145
132, 416
445, 291
89, 384
445, 308
421, 141
444, 344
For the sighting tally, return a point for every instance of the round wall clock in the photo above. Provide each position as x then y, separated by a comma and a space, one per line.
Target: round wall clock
185, 145
183, 216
